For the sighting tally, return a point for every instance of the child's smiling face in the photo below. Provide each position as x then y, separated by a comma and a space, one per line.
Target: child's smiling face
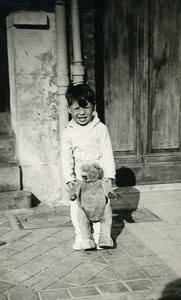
82, 115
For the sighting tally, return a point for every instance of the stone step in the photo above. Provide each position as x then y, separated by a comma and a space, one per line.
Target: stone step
9, 176
15, 200
5, 123
7, 148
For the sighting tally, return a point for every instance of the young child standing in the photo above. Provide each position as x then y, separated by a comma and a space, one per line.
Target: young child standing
85, 138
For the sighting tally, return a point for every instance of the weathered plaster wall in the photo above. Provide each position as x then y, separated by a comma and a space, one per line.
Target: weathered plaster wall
34, 107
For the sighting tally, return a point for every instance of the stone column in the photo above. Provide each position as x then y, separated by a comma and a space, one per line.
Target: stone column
33, 96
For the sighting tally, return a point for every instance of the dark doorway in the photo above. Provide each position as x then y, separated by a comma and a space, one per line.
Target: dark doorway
99, 59
4, 77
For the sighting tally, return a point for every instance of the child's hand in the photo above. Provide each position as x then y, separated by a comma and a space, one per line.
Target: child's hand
72, 190
111, 195
107, 184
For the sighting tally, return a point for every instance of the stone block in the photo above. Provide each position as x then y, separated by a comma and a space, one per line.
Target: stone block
15, 200
139, 285
3, 297
16, 277
37, 98
62, 268
27, 18
5, 286
83, 291
7, 148
9, 177
6, 252
35, 51
24, 295
112, 288
44, 284
37, 265
54, 294
38, 143
42, 181
84, 273
5, 123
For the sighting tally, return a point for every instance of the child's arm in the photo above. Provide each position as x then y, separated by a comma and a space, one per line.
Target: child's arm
67, 161
72, 190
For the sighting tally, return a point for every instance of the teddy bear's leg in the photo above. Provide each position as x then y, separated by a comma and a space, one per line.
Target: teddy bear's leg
84, 224
105, 239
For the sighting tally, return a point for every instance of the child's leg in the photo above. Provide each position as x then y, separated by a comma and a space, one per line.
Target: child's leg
78, 238
87, 241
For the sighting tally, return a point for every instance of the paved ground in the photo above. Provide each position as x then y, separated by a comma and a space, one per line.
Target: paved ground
38, 262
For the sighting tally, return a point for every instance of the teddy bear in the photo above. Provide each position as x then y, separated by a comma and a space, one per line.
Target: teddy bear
93, 195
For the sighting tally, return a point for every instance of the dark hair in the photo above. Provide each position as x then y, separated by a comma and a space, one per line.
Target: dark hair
82, 93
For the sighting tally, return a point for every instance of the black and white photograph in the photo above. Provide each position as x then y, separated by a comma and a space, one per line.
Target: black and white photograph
90, 150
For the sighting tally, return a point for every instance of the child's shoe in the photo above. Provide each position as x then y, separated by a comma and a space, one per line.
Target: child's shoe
77, 245
106, 242
88, 244
98, 248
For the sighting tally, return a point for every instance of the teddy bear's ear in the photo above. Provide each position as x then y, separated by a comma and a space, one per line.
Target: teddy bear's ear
99, 169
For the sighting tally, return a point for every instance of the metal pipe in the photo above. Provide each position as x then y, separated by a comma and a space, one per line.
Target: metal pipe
62, 75
77, 68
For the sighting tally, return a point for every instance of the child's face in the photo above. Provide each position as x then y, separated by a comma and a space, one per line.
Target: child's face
81, 115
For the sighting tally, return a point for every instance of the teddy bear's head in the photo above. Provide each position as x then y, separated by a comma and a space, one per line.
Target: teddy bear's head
91, 171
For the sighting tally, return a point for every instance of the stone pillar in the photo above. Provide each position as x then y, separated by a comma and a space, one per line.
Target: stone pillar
34, 100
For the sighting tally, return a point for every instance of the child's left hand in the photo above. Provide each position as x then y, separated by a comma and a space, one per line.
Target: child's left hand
107, 185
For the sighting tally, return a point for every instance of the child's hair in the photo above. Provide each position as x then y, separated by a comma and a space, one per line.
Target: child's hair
82, 93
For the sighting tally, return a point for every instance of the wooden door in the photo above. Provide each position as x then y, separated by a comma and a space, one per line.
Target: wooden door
142, 70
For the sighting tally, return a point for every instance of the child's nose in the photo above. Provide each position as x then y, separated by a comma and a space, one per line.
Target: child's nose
81, 111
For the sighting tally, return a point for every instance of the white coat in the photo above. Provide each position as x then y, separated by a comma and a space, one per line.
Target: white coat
86, 143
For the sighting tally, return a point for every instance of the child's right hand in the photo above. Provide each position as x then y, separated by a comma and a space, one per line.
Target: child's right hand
72, 190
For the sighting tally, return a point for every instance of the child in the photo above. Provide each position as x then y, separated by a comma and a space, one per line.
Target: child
85, 138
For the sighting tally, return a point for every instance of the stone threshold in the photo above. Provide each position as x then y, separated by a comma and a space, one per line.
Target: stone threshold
150, 188
159, 187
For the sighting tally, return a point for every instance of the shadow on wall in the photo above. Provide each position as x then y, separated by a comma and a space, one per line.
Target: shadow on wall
126, 202
172, 291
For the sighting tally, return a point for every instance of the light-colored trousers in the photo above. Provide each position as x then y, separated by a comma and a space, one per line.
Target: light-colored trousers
73, 212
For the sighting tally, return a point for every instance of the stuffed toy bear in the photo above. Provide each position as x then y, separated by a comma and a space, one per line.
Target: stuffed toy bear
93, 195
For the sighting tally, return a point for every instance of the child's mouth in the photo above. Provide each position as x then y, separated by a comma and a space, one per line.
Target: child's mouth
82, 119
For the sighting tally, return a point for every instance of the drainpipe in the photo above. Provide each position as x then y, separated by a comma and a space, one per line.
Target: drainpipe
62, 75
77, 70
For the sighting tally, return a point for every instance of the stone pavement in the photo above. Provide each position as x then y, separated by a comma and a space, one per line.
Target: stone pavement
37, 261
